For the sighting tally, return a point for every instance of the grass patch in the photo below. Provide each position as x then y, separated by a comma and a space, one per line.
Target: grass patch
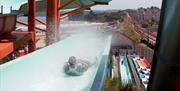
4, 60
129, 32
112, 85
115, 85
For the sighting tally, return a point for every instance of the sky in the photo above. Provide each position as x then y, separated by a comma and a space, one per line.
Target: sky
128, 4
114, 4
14, 3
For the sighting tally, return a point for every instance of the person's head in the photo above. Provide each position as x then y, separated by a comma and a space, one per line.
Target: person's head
72, 60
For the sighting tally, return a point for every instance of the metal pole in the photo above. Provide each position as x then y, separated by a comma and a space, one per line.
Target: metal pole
165, 66
32, 23
148, 35
22, 23
2, 9
10, 9
58, 22
52, 22
176, 88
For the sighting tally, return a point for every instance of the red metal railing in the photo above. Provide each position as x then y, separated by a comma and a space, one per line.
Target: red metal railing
25, 24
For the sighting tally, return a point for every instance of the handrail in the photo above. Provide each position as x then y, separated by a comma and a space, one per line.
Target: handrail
103, 69
40, 22
19, 22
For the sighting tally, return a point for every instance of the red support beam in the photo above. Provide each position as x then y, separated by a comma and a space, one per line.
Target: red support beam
32, 23
52, 22
22, 23
40, 22
13, 41
58, 15
6, 48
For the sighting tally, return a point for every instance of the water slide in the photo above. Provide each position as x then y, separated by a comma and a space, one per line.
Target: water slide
133, 69
125, 71
42, 70
112, 74
143, 68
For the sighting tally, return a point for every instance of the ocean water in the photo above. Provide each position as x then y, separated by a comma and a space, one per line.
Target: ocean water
42, 70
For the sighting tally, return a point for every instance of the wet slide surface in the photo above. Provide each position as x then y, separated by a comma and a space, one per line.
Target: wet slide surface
125, 71
42, 70
134, 72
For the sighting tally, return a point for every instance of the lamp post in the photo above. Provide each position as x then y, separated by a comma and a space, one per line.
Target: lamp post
2, 9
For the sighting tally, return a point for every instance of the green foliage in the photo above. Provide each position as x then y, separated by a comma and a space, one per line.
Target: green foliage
115, 85
114, 16
105, 17
128, 31
132, 87
4, 60
148, 23
112, 85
